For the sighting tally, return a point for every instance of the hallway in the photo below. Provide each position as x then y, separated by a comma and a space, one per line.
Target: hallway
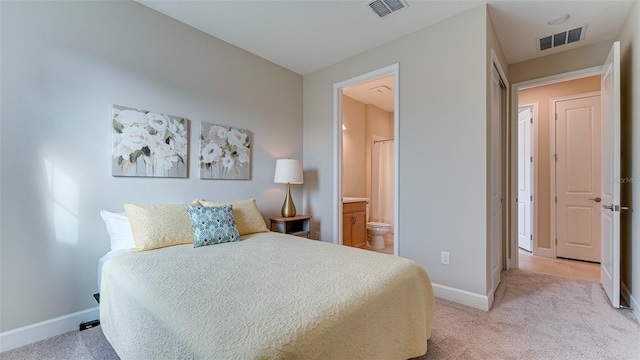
574, 269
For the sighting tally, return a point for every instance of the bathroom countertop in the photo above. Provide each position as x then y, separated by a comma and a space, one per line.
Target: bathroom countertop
349, 199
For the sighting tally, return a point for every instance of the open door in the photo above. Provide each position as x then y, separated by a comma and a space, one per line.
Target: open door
525, 191
610, 211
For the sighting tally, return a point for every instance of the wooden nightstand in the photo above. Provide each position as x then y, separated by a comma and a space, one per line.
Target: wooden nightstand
296, 225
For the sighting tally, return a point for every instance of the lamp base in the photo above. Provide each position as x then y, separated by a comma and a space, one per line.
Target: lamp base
288, 209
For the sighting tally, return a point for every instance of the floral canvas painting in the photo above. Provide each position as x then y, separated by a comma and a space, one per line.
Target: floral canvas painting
149, 144
225, 152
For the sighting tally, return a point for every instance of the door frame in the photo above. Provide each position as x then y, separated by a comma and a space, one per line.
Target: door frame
506, 159
533, 150
514, 260
553, 221
495, 155
610, 267
393, 69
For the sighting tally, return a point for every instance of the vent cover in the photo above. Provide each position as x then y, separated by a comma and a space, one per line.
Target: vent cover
381, 89
561, 38
386, 7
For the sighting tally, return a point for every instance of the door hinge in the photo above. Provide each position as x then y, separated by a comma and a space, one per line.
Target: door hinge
556, 116
556, 198
556, 241
531, 196
532, 159
531, 237
531, 120
555, 156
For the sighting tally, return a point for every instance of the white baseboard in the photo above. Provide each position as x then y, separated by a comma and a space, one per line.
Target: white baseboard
43, 330
628, 297
635, 305
463, 297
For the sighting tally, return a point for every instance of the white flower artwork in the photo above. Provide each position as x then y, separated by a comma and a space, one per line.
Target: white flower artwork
225, 152
148, 144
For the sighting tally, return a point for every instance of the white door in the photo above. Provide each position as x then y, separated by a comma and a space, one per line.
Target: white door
495, 179
578, 178
610, 209
525, 194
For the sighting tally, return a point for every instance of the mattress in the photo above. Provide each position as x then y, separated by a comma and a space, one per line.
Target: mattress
102, 260
271, 296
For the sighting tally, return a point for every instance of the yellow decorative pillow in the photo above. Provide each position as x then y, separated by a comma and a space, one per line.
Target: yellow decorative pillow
157, 226
246, 213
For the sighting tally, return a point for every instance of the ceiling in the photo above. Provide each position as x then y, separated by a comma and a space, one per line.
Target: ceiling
306, 35
377, 92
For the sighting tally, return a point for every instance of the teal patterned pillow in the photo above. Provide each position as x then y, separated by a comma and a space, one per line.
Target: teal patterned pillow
213, 225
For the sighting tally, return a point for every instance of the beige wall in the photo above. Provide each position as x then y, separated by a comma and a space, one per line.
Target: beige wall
581, 58
442, 158
65, 65
354, 147
630, 189
543, 96
362, 122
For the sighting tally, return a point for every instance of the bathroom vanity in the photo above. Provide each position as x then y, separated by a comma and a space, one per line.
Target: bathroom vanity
354, 223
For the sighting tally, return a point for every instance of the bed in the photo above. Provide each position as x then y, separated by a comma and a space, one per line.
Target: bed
270, 296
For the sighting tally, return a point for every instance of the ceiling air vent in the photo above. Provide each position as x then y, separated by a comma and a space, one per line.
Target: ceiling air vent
561, 38
381, 89
386, 7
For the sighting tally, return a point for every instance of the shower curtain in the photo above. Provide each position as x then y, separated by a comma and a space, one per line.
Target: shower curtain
382, 187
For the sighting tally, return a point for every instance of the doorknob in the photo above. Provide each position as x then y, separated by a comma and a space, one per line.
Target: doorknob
609, 207
596, 199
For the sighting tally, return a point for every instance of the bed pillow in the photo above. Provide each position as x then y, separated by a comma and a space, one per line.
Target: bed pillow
246, 213
119, 230
213, 225
157, 226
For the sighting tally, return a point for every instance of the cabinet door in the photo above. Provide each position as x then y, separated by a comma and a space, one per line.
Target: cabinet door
347, 220
359, 230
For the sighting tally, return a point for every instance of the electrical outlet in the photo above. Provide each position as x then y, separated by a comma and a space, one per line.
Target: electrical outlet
445, 258
317, 235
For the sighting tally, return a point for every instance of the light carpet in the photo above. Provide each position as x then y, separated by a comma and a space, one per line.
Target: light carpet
534, 316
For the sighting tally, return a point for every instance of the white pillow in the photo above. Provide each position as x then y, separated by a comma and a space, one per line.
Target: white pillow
119, 230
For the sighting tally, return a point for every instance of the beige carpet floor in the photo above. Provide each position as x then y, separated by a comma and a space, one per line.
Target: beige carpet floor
534, 317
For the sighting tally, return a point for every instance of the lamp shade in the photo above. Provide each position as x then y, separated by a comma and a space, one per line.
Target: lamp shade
288, 171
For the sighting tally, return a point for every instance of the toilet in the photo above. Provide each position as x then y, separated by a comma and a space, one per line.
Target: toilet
376, 231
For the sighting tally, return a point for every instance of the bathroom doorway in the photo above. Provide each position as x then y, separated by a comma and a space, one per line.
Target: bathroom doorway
365, 161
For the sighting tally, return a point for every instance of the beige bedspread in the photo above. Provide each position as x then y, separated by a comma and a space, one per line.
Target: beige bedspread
271, 296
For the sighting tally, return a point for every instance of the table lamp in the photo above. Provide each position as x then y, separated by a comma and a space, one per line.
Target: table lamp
288, 171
